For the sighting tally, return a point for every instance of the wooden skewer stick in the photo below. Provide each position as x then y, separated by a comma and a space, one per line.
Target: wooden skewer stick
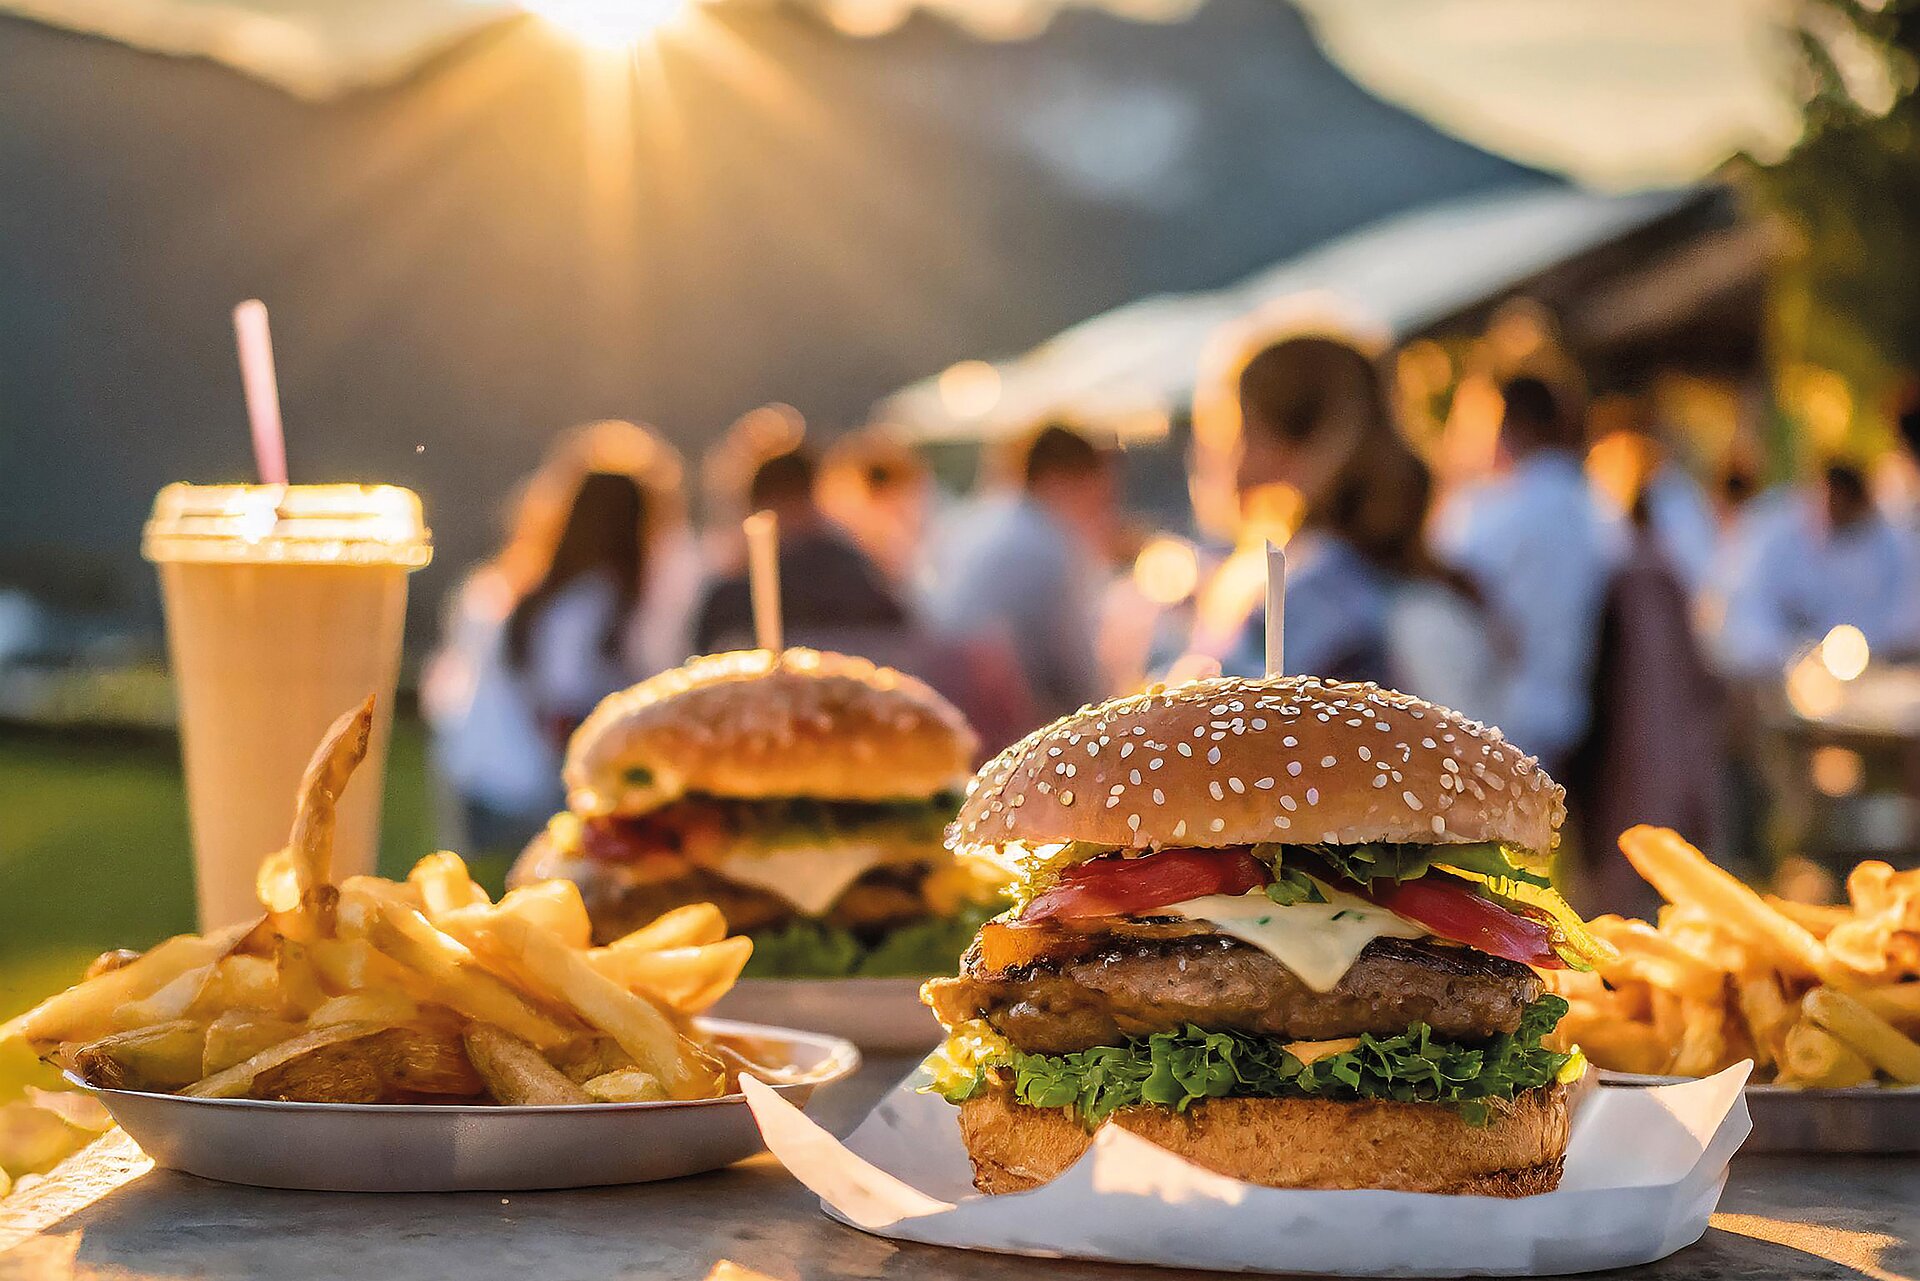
1276, 610
763, 577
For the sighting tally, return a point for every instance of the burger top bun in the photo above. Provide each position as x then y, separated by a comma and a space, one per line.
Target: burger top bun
754, 724
1232, 762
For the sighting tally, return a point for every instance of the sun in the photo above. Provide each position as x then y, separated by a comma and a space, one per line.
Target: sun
608, 24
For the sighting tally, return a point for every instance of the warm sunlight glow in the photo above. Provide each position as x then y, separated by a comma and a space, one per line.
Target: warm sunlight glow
607, 24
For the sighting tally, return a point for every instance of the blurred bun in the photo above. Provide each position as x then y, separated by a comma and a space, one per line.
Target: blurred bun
1293, 1143
752, 724
1234, 762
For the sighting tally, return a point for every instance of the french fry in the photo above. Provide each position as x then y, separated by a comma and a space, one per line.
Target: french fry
690, 926
627, 1085
1818, 919
1684, 875
586, 1057
165, 1056
1652, 957
1703, 1038
238, 1035
642, 1030
298, 977
294, 884
1866, 1033
686, 979
1767, 1012
1815, 1059
169, 1003
235, 1082
239, 982
1897, 1003
452, 977
445, 885
365, 1007
86, 1010
353, 964
515, 1073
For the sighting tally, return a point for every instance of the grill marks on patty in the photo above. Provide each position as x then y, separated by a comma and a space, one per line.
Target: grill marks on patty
1133, 986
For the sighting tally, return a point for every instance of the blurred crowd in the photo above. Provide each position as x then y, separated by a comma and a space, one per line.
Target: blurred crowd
1574, 583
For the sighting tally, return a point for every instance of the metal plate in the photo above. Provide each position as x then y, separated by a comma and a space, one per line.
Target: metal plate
881, 1015
357, 1147
1862, 1119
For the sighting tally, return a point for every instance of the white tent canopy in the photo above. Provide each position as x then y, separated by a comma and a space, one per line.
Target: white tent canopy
1130, 367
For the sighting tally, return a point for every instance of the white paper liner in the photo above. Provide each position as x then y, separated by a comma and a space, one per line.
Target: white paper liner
1644, 1171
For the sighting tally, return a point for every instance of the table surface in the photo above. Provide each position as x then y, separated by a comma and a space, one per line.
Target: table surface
107, 1214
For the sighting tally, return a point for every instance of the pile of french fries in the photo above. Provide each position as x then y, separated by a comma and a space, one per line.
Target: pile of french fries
1816, 996
421, 991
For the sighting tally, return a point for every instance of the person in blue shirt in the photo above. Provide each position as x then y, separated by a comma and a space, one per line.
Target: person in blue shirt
1541, 548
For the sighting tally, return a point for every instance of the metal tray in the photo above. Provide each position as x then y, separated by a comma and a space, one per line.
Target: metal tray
1861, 1120
360, 1147
883, 1016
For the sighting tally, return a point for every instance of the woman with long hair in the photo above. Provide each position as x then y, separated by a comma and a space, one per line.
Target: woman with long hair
1318, 454
591, 592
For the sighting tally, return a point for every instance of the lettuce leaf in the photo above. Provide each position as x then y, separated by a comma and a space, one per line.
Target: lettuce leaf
1176, 1069
815, 950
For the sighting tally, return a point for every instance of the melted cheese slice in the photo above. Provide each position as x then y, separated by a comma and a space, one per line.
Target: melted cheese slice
810, 878
1317, 941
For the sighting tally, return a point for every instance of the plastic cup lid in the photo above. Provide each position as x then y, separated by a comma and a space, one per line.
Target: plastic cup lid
295, 524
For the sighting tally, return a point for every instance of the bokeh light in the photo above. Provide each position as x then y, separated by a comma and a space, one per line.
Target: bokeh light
1166, 570
1844, 652
969, 389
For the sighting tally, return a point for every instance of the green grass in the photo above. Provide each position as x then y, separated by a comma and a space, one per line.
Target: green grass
94, 855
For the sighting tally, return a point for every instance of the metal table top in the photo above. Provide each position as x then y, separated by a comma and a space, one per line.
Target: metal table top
107, 1214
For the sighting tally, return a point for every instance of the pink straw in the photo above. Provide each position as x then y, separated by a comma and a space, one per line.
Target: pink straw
263, 390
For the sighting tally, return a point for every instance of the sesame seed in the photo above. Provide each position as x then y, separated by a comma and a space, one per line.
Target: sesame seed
1264, 784
1133, 776
1217, 824
1288, 803
1293, 768
1289, 741
1413, 802
1439, 824
1213, 756
1214, 788
1159, 797
1237, 786
1183, 749
1282, 821
1313, 796
1133, 822
1328, 762
1180, 829
1366, 754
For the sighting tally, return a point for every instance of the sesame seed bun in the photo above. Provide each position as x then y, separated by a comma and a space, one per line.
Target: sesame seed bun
1234, 762
756, 725
1294, 1143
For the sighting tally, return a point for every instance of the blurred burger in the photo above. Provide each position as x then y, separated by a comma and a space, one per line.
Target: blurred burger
803, 793
1285, 928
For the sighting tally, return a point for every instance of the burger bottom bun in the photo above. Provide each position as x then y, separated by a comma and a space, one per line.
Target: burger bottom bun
1293, 1143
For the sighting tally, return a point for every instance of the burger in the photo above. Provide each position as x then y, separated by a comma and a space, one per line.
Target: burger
1287, 929
803, 793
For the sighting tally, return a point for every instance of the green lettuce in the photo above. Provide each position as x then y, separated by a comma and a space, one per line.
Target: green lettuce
1176, 1069
1381, 860
815, 950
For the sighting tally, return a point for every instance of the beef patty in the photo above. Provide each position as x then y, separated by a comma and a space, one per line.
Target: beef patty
1134, 986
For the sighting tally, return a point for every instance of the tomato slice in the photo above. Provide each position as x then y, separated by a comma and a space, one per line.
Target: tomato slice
1455, 912
1134, 886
